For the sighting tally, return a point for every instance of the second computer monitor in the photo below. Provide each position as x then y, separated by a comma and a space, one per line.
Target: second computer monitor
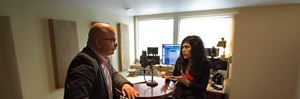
170, 53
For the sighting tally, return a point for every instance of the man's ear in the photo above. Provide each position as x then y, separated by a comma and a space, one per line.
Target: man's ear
98, 43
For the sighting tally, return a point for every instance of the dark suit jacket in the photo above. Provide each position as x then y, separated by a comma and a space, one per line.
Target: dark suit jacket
197, 88
85, 79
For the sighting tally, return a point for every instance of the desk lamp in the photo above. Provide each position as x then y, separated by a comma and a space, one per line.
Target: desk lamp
222, 43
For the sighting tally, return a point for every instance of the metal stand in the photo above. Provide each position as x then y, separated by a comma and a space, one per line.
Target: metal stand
151, 82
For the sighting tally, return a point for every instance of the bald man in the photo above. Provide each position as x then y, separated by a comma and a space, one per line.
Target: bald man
91, 75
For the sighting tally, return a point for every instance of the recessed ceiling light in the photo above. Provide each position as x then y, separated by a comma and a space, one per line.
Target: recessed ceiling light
128, 9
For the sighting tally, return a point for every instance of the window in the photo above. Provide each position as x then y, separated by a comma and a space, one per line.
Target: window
209, 29
154, 33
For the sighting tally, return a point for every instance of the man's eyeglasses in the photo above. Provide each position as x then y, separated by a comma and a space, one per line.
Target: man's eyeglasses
113, 40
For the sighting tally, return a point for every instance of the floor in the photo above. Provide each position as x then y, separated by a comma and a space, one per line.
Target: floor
124, 73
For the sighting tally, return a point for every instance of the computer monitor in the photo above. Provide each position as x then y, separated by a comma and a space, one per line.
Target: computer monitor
216, 63
170, 53
152, 50
212, 52
153, 54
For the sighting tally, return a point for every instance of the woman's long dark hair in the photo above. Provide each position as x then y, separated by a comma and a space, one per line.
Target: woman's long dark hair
198, 55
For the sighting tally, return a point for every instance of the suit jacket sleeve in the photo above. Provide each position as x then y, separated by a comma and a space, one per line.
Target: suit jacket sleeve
117, 78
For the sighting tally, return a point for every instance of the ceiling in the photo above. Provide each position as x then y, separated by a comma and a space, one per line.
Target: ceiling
146, 7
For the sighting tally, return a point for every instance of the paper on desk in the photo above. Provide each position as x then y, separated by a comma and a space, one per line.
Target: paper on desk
138, 79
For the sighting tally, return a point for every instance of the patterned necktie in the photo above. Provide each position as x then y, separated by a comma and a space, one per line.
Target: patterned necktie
108, 79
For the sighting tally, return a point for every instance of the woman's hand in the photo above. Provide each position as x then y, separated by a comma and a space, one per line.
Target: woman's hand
168, 77
183, 80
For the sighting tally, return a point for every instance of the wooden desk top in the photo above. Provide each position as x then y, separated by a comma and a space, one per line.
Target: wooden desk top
163, 89
211, 89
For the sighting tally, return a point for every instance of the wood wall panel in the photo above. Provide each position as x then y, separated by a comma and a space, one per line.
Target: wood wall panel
64, 44
123, 48
10, 84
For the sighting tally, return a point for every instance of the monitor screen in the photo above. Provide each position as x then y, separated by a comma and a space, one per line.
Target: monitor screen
170, 53
212, 52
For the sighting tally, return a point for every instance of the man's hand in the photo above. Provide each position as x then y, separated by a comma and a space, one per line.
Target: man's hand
130, 91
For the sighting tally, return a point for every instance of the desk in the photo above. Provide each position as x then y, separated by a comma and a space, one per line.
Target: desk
160, 91
212, 93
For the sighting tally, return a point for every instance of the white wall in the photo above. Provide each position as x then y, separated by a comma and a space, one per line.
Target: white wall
32, 43
266, 53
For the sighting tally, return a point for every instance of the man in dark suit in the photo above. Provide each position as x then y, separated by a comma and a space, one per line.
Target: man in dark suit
91, 75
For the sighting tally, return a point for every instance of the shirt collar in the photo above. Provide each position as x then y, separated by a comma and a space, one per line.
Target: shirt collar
100, 57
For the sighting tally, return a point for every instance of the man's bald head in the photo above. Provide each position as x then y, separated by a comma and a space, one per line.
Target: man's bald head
98, 30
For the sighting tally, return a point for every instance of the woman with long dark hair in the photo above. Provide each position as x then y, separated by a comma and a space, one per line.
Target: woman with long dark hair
191, 70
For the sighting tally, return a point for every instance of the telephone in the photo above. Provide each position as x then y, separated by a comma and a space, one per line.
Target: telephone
217, 80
